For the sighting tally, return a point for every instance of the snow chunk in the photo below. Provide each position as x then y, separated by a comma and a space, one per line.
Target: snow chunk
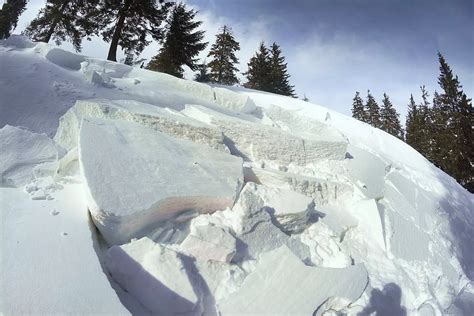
325, 246
290, 209
21, 152
136, 177
209, 242
254, 141
154, 275
161, 119
65, 59
308, 287
235, 102
256, 232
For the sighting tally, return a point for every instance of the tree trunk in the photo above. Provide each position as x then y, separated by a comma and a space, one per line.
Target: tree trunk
50, 33
112, 56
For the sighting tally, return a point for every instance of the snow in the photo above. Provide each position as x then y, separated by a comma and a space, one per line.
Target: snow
233, 101
282, 284
154, 275
290, 209
48, 262
223, 199
209, 242
137, 177
164, 120
254, 141
23, 154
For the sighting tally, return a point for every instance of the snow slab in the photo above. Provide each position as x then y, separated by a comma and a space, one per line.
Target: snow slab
209, 242
291, 210
284, 276
235, 102
155, 276
323, 191
136, 177
254, 141
255, 229
165, 120
48, 264
23, 154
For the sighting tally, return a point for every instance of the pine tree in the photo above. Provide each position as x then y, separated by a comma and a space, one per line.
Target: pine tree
358, 108
259, 70
223, 70
424, 123
128, 23
63, 20
279, 76
182, 43
389, 118
412, 125
372, 110
9, 14
452, 128
464, 146
203, 75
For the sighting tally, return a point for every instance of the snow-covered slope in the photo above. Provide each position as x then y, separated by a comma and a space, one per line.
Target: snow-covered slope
129, 191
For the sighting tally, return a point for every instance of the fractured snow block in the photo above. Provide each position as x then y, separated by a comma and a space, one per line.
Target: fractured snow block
209, 242
370, 221
323, 191
233, 101
290, 209
257, 231
222, 279
367, 171
136, 177
305, 127
411, 201
155, 276
408, 241
164, 120
254, 141
282, 285
22, 153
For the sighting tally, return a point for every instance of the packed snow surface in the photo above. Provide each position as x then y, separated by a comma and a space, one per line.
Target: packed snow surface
126, 191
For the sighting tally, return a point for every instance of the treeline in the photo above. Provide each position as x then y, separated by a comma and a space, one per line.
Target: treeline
441, 130
130, 24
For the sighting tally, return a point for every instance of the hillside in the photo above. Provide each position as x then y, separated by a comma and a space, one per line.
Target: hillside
129, 191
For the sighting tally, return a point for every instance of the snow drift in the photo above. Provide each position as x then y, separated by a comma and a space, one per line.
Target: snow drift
162, 195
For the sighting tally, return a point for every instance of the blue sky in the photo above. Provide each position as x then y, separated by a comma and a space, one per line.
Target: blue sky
336, 47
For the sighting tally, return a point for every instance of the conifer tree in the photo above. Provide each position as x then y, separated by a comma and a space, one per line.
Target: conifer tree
63, 20
9, 14
358, 108
372, 110
182, 43
279, 76
412, 125
389, 118
203, 74
452, 132
223, 61
128, 23
424, 125
259, 70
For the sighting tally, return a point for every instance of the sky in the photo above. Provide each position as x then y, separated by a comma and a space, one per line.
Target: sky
337, 47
